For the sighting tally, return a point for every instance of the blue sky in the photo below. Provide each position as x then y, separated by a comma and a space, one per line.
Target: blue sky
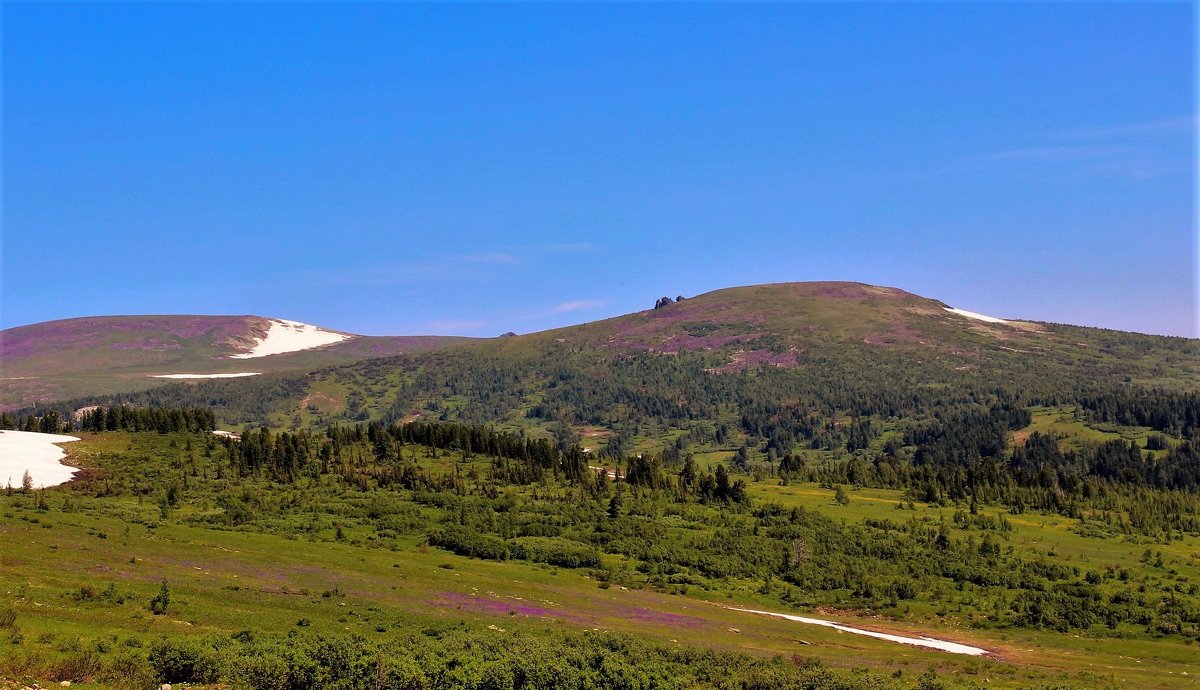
400, 168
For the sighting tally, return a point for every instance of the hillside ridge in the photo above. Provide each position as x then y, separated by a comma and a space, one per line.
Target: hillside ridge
778, 325
113, 354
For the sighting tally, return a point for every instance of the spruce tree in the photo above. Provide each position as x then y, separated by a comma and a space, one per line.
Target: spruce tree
161, 601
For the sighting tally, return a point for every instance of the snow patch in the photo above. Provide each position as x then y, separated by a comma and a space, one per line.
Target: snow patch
973, 315
952, 647
206, 376
22, 451
291, 336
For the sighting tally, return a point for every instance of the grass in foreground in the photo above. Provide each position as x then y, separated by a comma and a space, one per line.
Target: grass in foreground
79, 577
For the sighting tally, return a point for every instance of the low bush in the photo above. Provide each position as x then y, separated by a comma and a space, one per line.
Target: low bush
468, 543
178, 661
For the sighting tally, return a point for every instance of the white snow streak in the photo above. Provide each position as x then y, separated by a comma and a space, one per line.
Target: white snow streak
952, 647
291, 336
22, 451
207, 376
973, 315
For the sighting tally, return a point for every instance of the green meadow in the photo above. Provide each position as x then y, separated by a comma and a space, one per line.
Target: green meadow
339, 554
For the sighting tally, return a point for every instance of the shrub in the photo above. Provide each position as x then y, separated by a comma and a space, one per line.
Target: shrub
556, 551
262, 672
401, 673
77, 666
468, 543
176, 661
129, 671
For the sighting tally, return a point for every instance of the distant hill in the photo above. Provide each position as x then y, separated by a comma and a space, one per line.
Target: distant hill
109, 354
789, 325
758, 321
801, 360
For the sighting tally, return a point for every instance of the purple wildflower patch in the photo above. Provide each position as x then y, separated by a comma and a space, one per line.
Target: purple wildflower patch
489, 604
675, 620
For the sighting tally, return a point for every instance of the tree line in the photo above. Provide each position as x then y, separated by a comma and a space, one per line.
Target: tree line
115, 418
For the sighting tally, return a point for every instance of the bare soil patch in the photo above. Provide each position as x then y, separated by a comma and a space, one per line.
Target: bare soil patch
322, 402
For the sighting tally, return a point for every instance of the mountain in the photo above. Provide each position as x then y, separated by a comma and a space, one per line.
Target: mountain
699, 359
756, 319
785, 357
894, 462
792, 325
110, 354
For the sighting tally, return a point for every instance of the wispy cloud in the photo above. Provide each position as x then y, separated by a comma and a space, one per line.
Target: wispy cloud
1167, 125
452, 327
1051, 154
444, 268
571, 248
576, 305
380, 275
1134, 151
563, 308
494, 258
520, 254
523, 253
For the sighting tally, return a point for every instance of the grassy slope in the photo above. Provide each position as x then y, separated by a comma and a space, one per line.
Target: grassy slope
223, 581
1051, 535
802, 328
829, 315
105, 355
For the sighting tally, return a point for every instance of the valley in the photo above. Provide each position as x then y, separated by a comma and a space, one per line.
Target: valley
599, 346
800, 479
337, 558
